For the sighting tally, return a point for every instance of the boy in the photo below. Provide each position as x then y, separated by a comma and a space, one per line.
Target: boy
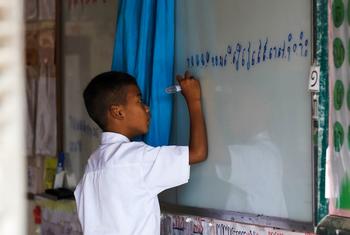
118, 192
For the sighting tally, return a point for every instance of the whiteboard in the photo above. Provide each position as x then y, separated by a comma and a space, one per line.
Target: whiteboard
252, 58
88, 41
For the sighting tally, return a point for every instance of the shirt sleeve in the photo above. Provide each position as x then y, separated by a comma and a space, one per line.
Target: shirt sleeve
165, 167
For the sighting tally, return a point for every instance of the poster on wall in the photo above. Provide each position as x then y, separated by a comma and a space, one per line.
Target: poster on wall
338, 159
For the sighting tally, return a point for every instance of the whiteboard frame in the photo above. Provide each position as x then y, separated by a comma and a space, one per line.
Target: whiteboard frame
257, 219
239, 217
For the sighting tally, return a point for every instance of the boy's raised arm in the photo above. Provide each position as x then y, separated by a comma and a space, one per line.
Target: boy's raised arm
198, 146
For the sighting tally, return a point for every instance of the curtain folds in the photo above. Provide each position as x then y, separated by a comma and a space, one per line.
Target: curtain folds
144, 48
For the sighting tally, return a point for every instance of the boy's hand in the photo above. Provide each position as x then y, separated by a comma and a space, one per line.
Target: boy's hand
190, 87
198, 145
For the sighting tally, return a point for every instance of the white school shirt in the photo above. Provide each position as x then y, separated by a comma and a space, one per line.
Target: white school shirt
118, 192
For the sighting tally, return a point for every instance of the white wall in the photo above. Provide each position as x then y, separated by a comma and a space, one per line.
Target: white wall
12, 157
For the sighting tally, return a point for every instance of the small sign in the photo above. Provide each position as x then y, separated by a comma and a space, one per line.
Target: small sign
314, 78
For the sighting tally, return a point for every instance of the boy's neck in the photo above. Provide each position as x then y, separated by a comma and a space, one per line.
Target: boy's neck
118, 131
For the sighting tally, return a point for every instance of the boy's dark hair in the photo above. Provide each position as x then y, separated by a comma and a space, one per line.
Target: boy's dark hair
103, 91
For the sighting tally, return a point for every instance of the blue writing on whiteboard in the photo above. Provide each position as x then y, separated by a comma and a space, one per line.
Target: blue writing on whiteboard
82, 126
247, 55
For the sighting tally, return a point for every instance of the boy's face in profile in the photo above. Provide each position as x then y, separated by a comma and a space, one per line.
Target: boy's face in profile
137, 113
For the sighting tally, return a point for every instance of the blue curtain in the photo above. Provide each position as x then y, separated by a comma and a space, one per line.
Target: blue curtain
144, 48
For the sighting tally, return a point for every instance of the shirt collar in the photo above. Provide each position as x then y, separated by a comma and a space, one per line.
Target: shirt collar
112, 137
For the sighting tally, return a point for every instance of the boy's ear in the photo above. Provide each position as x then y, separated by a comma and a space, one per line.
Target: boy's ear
117, 112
